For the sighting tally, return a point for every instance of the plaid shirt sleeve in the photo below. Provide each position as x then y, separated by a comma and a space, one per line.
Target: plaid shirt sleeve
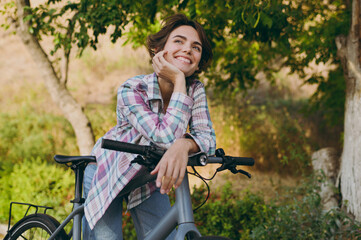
200, 125
162, 131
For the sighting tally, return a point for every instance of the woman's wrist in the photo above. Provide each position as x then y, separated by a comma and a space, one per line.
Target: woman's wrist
180, 84
190, 145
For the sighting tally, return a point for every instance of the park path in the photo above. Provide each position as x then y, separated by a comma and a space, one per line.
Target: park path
3, 229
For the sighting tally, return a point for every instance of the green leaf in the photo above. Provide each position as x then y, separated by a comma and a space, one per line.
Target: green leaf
266, 20
28, 17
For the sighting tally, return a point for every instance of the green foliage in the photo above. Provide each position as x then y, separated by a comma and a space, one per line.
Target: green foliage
315, 39
248, 37
283, 143
329, 99
226, 215
271, 130
102, 118
8, 9
297, 215
31, 133
38, 182
303, 218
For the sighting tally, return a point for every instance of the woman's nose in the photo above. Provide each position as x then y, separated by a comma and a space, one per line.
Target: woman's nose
187, 48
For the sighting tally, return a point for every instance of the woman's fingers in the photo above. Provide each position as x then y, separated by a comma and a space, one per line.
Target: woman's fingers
161, 171
158, 59
179, 178
162, 60
170, 177
165, 69
166, 175
169, 172
158, 65
155, 170
172, 166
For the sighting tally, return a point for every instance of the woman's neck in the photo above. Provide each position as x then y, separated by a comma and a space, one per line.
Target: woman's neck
166, 89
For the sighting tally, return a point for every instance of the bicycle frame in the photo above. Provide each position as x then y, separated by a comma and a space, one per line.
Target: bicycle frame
78, 212
180, 214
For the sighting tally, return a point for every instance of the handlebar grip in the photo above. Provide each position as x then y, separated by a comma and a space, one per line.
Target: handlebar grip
123, 147
243, 161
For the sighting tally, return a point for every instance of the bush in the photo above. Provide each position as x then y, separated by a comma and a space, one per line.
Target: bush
304, 218
38, 182
225, 214
31, 134
272, 132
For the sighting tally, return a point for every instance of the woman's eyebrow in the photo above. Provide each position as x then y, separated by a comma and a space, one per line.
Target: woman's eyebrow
183, 37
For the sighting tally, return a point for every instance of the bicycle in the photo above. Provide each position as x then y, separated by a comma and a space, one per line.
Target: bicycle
180, 216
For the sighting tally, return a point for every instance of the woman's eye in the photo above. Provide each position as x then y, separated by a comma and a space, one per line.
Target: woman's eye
177, 41
197, 48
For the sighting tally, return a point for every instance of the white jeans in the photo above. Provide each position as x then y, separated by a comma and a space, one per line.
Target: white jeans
145, 216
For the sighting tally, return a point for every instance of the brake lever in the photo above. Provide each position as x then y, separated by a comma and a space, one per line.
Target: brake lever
154, 152
147, 162
152, 156
228, 164
235, 171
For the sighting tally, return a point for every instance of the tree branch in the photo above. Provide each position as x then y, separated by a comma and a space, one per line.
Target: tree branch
65, 61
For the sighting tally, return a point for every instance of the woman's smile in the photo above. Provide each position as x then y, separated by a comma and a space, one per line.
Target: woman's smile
184, 49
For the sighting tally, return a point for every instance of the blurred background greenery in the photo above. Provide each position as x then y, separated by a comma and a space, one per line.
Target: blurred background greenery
279, 117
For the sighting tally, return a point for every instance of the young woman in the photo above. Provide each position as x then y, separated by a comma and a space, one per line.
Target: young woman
156, 108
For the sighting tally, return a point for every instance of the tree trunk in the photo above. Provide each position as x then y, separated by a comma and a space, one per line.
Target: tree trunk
349, 50
71, 109
326, 160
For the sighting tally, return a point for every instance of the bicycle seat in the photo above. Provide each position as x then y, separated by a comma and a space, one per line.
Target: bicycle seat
74, 159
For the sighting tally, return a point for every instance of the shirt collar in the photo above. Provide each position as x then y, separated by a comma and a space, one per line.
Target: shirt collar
153, 87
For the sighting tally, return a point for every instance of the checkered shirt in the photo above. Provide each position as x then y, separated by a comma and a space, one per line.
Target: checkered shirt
140, 119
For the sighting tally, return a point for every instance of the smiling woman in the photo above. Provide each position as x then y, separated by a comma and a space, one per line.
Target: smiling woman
157, 42
153, 109
183, 50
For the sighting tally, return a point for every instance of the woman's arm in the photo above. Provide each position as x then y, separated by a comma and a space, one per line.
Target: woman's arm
133, 108
200, 125
172, 166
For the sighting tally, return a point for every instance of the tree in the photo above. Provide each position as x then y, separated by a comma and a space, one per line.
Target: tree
348, 50
21, 19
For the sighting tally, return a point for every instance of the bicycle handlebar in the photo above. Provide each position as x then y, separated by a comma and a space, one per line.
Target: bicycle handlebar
242, 161
155, 152
124, 147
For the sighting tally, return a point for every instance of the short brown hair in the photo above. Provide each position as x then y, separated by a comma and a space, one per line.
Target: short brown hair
157, 41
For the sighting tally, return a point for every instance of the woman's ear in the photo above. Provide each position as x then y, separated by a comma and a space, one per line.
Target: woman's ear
156, 50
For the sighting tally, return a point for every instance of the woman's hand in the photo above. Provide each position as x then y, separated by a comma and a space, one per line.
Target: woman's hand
167, 71
171, 168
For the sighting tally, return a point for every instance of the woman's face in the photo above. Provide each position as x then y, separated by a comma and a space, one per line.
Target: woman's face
184, 49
